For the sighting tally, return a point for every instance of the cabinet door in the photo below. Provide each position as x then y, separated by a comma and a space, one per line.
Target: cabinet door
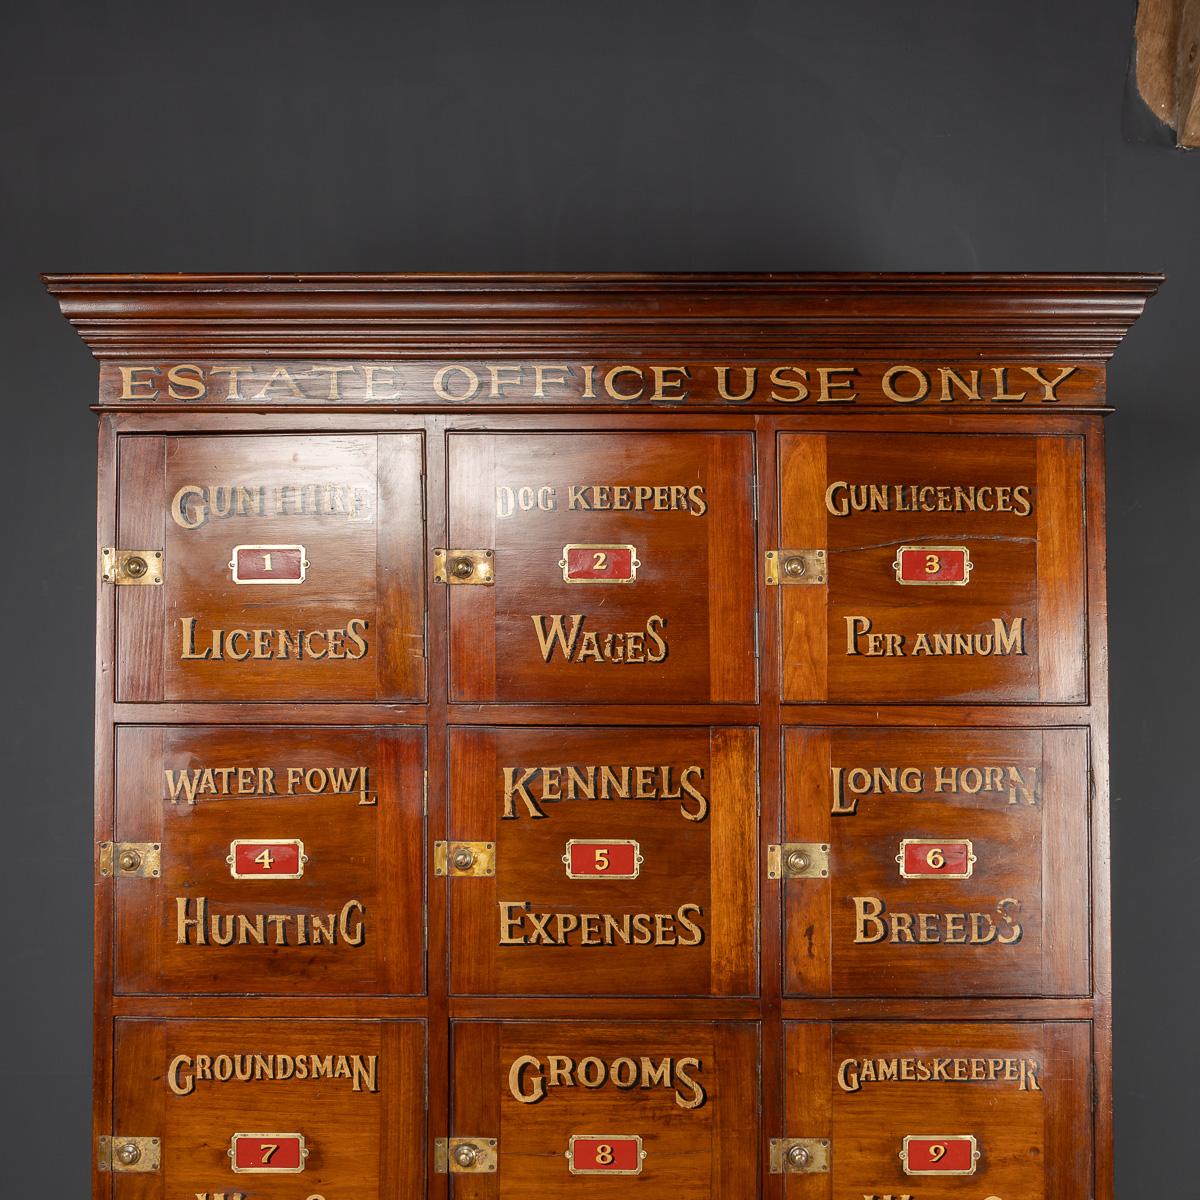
939, 1112
291, 568
271, 1109
670, 1109
285, 860
625, 861
623, 567
953, 571
951, 862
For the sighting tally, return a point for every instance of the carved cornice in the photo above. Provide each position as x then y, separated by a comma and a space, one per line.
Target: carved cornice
1056, 317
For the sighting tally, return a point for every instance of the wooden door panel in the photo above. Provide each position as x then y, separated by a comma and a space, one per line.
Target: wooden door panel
292, 568
657, 893
991, 896
291, 860
954, 569
624, 567
688, 1092
352, 1090
1009, 1105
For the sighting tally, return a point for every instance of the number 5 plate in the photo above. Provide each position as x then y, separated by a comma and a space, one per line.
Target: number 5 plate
957, 1154
605, 1154
600, 859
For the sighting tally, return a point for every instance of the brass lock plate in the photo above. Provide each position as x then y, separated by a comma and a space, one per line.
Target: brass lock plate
462, 859
128, 1155
799, 1156
124, 567
805, 568
465, 1156
798, 860
470, 568
130, 860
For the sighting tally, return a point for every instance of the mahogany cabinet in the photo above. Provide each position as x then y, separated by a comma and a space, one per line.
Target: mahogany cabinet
559, 734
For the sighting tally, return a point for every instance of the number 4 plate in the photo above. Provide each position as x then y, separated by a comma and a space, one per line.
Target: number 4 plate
605, 1154
266, 858
267, 1153
957, 1154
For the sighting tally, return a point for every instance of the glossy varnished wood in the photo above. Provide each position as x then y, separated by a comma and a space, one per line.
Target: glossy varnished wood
758, 685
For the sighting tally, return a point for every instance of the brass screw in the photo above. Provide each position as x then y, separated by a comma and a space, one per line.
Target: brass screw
129, 1154
130, 860
798, 861
466, 1155
136, 566
798, 1156
463, 858
794, 566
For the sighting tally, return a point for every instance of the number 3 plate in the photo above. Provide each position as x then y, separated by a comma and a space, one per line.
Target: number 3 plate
933, 566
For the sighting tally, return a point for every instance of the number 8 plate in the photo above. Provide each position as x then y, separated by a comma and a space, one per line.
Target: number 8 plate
605, 1154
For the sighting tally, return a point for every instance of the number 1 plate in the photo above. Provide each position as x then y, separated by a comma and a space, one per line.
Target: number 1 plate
268, 564
957, 1154
267, 1153
605, 1154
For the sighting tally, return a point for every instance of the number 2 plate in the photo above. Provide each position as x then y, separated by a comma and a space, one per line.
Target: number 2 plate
605, 1154
267, 1153
933, 566
587, 563
267, 858
957, 1154
588, 859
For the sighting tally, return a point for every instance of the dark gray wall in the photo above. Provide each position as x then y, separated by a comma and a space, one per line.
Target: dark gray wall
660, 135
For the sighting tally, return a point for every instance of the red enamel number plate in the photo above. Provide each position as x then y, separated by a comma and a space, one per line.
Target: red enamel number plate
268, 564
268, 1153
602, 860
271, 858
599, 564
955, 1155
605, 1154
954, 859
931, 565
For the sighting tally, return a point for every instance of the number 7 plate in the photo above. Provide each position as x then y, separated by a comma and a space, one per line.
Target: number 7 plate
267, 1153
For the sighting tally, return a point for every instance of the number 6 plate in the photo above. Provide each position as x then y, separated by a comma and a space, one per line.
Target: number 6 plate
925, 858
605, 1154
956, 1154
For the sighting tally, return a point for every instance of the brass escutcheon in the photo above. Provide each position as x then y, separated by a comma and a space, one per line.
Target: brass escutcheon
466, 1155
129, 1153
462, 568
794, 566
135, 568
797, 862
130, 860
798, 1156
463, 858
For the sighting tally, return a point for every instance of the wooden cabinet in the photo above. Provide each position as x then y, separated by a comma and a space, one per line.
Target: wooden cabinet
560, 734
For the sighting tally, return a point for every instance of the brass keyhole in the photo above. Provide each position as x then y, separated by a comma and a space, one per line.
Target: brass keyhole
466, 1155
463, 858
798, 862
130, 860
136, 566
129, 1154
462, 568
798, 1156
